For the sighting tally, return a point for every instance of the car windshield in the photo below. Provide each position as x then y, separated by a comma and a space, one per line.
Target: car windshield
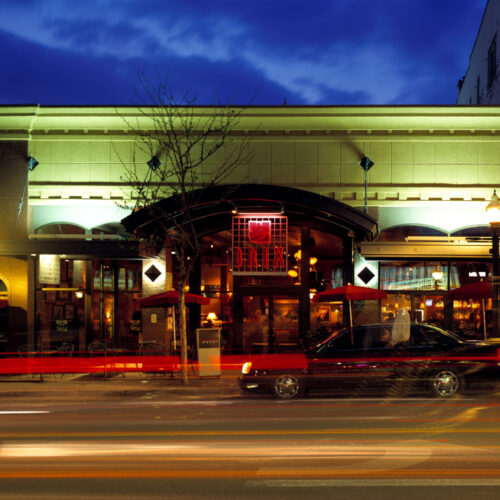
448, 333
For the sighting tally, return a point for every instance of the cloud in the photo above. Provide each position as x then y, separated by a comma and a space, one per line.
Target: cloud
342, 51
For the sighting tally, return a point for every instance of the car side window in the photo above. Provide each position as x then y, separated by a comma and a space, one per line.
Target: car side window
342, 341
424, 335
372, 337
418, 338
439, 338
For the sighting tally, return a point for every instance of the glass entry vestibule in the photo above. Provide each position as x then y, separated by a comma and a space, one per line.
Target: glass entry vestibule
270, 322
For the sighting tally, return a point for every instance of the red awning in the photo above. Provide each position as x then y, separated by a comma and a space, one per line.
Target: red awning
477, 290
172, 297
350, 292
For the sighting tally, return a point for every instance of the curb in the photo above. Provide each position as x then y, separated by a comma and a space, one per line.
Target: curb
70, 389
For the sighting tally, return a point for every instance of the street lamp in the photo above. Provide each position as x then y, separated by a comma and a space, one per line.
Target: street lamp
493, 215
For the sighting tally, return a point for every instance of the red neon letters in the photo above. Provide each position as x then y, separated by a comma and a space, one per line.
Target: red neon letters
250, 258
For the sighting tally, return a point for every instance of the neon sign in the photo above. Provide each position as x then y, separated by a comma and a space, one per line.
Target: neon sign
260, 244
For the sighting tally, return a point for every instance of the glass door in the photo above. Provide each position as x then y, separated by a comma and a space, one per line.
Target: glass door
270, 323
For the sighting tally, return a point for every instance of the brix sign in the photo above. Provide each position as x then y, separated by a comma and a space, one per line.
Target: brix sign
260, 244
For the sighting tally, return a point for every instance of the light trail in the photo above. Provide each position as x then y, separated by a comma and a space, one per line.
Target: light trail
436, 474
270, 432
22, 412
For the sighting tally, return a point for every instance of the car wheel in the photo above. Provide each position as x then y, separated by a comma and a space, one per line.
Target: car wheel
287, 386
446, 383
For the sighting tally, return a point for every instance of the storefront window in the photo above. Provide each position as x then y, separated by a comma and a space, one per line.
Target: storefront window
429, 309
115, 298
393, 304
414, 276
61, 308
270, 324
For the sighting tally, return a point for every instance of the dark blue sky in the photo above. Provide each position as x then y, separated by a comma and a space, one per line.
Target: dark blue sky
309, 51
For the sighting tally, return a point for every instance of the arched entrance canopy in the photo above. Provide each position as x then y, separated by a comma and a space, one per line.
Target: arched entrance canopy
213, 208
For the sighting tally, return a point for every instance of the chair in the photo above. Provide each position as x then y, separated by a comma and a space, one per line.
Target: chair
66, 347
96, 346
28, 349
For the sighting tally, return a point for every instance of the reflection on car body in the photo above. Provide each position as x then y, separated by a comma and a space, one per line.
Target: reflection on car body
366, 356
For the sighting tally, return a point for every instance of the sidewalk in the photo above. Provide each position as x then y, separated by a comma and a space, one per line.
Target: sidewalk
80, 387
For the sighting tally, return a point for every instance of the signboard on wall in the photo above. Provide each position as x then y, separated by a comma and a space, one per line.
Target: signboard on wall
260, 244
155, 276
79, 273
49, 269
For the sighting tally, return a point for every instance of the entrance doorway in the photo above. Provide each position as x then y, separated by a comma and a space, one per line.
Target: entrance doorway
270, 323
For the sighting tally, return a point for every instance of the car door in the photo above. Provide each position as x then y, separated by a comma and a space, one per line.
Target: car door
361, 357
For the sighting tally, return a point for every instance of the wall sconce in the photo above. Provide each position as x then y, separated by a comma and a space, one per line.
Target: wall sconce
79, 294
154, 163
32, 163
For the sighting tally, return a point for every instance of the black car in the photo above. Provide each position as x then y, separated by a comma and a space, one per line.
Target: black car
368, 357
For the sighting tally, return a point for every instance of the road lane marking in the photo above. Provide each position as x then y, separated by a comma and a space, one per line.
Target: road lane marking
22, 412
377, 483
432, 474
270, 432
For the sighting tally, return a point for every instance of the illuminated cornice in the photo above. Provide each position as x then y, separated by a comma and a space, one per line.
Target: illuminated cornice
317, 121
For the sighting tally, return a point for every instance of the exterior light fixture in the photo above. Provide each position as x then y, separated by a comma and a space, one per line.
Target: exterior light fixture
292, 273
79, 294
366, 164
493, 211
32, 163
493, 216
313, 261
154, 163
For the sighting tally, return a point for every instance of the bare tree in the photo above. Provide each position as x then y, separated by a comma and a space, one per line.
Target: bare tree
180, 138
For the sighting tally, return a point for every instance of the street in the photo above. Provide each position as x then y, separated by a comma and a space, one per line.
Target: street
235, 446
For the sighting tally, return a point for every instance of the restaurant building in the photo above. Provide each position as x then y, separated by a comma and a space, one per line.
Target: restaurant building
307, 212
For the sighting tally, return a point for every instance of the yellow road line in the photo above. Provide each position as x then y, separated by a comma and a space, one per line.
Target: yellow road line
245, 474
276, 432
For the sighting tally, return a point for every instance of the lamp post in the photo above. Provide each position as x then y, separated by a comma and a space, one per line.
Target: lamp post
493, 214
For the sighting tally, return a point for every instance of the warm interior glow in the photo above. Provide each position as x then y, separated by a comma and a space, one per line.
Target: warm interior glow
493, 210
211, 316
437, 275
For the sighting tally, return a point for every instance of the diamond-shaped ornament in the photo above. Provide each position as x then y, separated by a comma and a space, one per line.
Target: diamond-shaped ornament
152, 272
365, 275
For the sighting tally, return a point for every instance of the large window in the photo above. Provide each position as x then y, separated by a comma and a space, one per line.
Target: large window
413, 276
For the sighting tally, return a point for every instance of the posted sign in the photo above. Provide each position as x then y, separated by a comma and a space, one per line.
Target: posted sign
260, 244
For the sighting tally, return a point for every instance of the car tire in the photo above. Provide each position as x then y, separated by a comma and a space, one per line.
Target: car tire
287, 386
446, 383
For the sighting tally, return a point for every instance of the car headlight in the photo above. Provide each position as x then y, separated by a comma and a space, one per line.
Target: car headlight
245, 369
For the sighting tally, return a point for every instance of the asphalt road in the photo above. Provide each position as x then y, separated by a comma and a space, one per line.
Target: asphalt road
235, 447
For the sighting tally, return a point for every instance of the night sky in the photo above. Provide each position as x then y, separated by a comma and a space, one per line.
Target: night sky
85, 52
